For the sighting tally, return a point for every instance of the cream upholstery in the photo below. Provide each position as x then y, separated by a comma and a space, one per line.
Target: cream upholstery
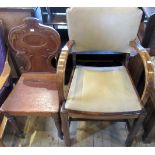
106, 28
102, 89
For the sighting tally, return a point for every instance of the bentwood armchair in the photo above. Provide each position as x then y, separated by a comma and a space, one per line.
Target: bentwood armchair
103, 93
35, 93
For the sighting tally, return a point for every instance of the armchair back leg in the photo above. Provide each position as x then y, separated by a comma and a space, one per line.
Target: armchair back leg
13, 122
1, 143
57, 121
137, 124
65, 127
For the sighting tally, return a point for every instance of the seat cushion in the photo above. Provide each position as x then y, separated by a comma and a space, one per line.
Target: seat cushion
33, 95
102, 89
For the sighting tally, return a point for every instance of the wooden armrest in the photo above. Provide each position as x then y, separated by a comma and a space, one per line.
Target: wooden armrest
61, 68
3, 126
148, 69
5, 74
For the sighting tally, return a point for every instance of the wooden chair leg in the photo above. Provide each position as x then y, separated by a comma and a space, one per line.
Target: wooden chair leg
2, 129
134, 130
57, 120
12, 121
148, 133
1, 143
146, 139
149, 126
65, 127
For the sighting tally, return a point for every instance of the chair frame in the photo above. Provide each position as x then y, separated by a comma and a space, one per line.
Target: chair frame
3, 78
82, 115
35, 74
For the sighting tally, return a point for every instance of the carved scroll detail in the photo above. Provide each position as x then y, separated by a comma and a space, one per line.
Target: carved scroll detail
32, 41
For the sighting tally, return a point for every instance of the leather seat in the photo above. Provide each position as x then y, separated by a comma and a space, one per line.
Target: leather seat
41, 92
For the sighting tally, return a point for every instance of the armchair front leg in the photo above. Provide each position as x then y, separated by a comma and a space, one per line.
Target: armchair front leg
61, 68
65, 125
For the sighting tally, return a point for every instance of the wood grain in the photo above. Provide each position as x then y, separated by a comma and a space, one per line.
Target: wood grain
35, 45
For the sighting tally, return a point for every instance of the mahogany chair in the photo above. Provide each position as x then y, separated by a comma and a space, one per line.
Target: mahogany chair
108, 92
35, 93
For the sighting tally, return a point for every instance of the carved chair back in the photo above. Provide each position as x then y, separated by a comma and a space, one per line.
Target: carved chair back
35, 45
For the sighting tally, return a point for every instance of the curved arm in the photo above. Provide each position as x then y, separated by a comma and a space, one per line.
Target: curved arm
3, 126
61, 68
148, 68
5, 74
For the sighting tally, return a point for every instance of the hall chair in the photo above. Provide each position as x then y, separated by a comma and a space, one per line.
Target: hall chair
35, 93
103, 93
5, 81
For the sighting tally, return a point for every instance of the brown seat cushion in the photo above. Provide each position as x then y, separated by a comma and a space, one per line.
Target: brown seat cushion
34, 94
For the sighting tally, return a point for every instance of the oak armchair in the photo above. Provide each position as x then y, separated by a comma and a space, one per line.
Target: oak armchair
103, 93
35, 93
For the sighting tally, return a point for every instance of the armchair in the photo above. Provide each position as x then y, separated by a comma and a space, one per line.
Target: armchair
108, 92
35, 93
5, 84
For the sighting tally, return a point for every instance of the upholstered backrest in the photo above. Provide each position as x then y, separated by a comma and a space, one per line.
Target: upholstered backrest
108, 29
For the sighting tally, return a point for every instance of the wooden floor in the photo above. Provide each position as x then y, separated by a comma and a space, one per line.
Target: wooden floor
41, 132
